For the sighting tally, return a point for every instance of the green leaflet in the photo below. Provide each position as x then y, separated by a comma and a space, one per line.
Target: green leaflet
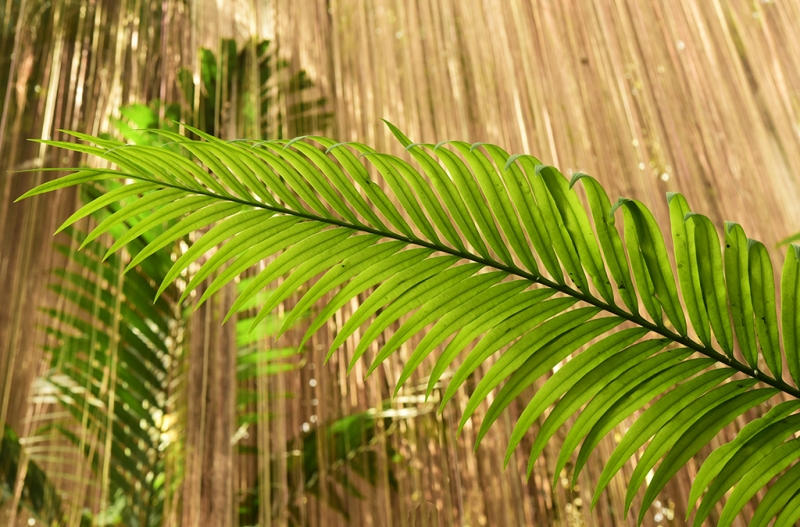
520, 192
751, 453
763, 291
401, 190
687, 264
790, 311
294, 182
576, 221
191, 223
259, 234
639, 270
192, 168
152, 200
147, 167
340, 181
516, 355
99, 141
176, 209
339, 274
717, 460
389, 290
220, 232
239, 171
443, 302
654, 253
709, 260
469, 308
661, 413
312, 267
422, 293
459, 206
306, 249
319, 183
683, 436
589, 385
360, 175
610, 394
737, 272
299, 237
757, 477
205, 153
567, 377
504, 333
457, 318
268, 176
428, 199
176, 162
542, 361
559, 235
487, 320
777, 497
108, 198
791, 512
497, 198
632, 401
76, 178
609, 238
411, 261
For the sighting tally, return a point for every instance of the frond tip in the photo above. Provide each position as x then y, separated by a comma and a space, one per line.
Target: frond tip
496, 258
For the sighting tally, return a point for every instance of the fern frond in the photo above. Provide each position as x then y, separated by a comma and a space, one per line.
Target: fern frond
497, 255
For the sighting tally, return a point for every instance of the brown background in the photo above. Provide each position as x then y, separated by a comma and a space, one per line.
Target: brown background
695, 96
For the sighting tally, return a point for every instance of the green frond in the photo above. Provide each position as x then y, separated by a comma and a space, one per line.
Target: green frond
493, 260
88, 325
39, 496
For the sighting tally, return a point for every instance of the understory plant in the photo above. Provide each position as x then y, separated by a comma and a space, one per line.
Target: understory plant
493, 264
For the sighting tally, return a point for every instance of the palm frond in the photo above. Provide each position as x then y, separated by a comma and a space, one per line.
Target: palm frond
39, 495
92, 334
499, 251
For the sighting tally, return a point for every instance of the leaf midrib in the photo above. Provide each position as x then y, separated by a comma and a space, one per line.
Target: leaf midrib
565, 289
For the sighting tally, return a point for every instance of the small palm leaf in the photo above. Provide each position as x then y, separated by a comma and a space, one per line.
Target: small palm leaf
499, 258
39, 496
